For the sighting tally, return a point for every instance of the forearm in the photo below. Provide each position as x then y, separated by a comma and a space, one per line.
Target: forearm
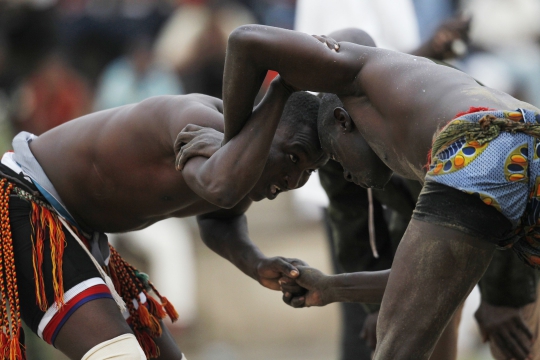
299, 58
229, 239
230, 173
363, 287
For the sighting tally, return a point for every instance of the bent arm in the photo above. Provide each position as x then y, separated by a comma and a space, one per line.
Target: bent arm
226, 233
228, 175
300, 59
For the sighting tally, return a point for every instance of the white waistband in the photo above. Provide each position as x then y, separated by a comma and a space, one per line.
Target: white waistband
9, 161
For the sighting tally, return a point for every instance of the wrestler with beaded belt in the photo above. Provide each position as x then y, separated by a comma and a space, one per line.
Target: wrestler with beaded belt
116, 171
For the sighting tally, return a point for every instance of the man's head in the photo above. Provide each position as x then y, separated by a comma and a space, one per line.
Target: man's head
342, 141
296, 151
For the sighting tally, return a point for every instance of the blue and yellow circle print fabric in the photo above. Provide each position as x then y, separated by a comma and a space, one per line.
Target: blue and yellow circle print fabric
502, 172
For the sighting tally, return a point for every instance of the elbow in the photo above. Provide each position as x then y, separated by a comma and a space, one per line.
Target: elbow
223, 194
226, 201
242, 36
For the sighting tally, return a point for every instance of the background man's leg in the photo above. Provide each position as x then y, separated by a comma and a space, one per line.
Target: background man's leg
346, 223
434, 270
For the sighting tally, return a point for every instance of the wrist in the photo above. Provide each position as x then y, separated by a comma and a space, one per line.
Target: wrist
328, 290
255, 263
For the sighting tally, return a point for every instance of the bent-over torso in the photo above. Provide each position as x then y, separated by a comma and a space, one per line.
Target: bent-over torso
115, 169
407, 100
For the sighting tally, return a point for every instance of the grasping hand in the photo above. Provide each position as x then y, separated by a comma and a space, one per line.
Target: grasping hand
316, 285
504, 326
271, 270
195, 140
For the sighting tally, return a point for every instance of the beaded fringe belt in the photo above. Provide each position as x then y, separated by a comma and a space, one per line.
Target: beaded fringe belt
127, 280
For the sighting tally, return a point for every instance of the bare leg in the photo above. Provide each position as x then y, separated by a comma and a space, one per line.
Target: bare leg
435, 268
91, 324
98, 321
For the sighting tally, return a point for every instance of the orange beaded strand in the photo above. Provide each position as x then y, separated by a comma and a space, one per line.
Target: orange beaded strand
11, 346
3, 293
145, 322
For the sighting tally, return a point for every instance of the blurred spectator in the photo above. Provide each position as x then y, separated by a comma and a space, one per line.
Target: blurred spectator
50, 96
194, 39
6, 131
95, 32
378, 18
507, 57
135, 77
27, 34
278, 13
430, 14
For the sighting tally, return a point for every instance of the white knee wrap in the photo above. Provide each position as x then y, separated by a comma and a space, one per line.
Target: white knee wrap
123, 347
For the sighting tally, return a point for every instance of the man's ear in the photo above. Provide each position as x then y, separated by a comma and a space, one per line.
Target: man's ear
342, 117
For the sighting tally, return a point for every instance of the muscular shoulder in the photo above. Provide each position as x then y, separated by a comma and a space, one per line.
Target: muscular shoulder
179, 103
205, 100
172, 113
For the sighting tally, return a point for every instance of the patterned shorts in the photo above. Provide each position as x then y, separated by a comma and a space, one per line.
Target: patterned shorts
504, 173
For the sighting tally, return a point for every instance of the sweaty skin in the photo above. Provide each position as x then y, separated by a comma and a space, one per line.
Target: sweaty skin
115, 171
398, 102
408, 97
119, 171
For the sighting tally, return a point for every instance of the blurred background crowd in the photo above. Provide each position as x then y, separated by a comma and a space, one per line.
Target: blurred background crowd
61, 59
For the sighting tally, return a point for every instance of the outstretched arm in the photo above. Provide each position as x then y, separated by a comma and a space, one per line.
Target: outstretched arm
226, 233
363, 287
228, 175
302, 60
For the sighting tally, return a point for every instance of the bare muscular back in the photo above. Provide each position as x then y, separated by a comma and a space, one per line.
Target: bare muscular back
398, 101
115, 170
410, 98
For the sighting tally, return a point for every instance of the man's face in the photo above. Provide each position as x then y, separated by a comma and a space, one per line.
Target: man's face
360, 163
292, 158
